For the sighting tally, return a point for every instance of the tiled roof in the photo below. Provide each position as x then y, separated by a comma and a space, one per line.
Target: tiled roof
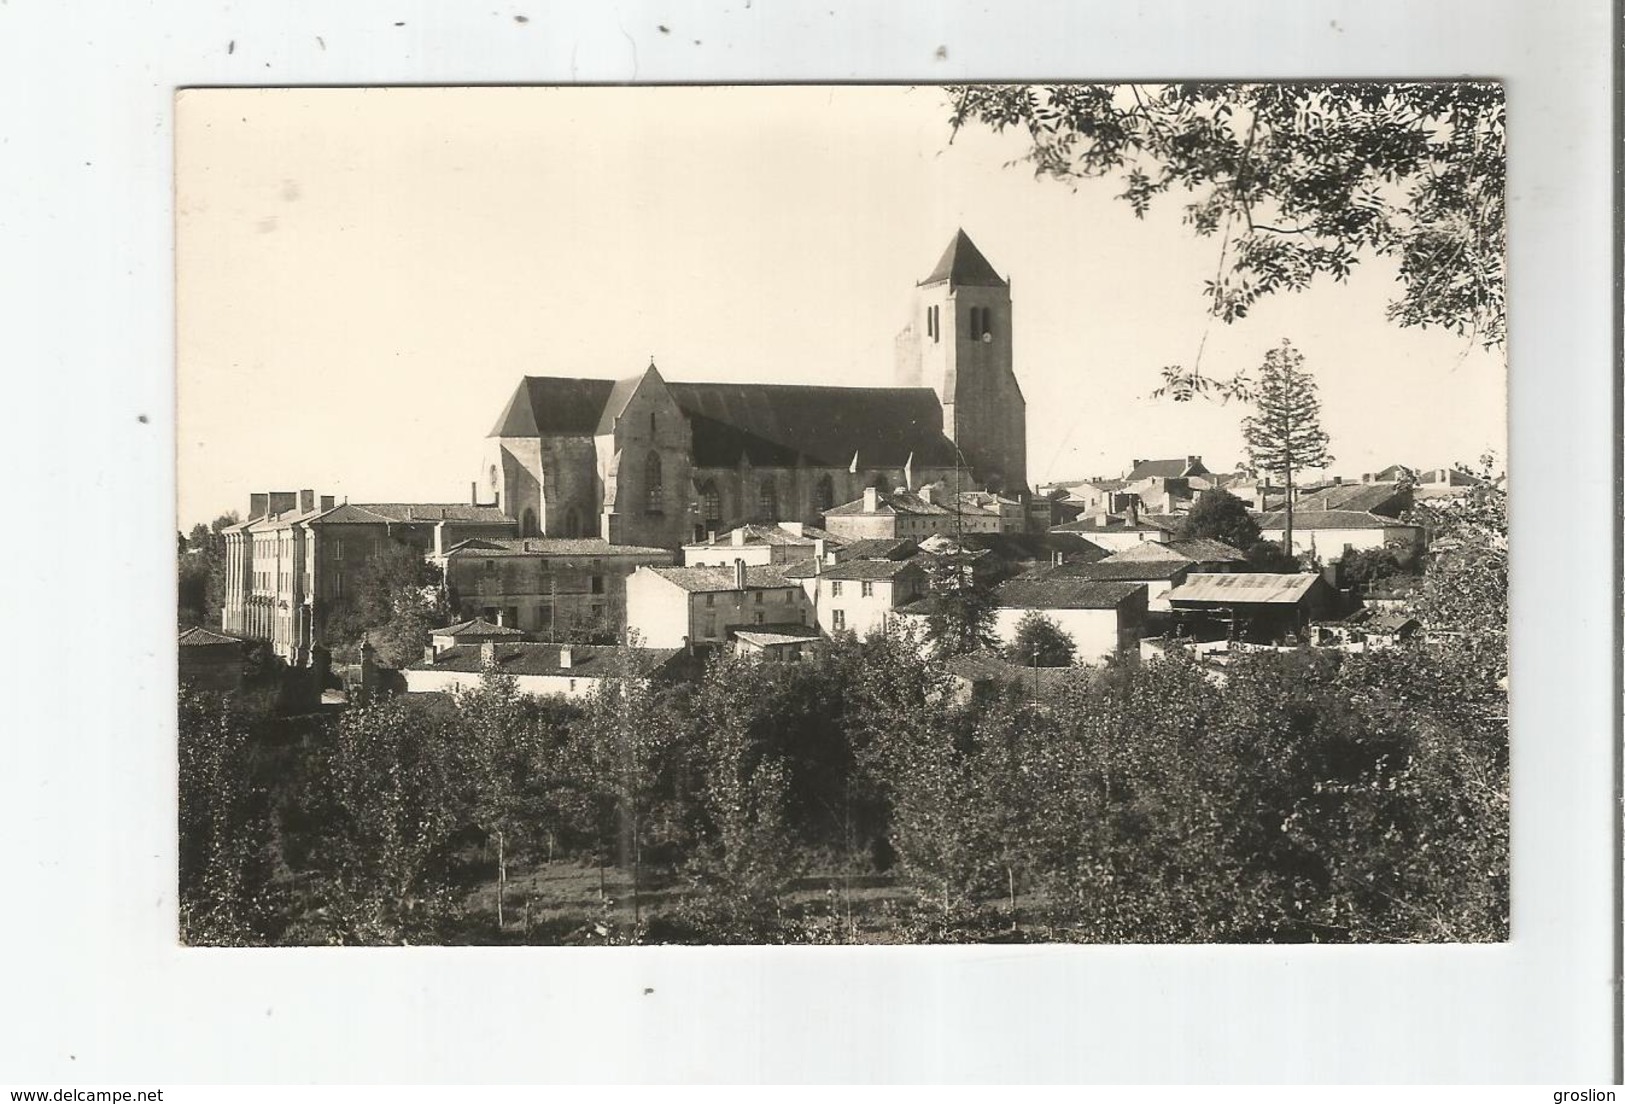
1245, 589
1208, 550
1167, 469
477, 627
1307, 520
1064, 593
1147, 551
554, 405
199, 637
285, 520
586, 660
699, 580
758, 535
1377, 498
768, 635
879, 548
377, 513
476, 547
868, 569
988, 666
1113, 570
892, 502
963, 265
1084, 526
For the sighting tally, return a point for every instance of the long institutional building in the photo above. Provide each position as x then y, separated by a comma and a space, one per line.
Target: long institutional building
587, 479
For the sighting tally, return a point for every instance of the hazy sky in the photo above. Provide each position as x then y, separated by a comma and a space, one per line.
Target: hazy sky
364, 276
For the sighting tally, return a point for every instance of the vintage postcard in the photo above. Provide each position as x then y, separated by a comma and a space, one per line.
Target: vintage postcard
842, 514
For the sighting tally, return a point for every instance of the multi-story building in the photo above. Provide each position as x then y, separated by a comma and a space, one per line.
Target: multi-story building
860, 596
926, 512
674, 607
759, 545
555, 588
298, 558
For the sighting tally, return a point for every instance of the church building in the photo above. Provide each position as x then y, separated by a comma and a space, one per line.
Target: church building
650, 461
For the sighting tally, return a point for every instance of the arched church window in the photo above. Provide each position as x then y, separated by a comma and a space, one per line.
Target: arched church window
710, 501
572, 522
824, 493
527, 524
653, 483
768, 501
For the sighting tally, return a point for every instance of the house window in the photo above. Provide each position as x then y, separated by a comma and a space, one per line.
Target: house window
572, 686
835, 589
596, 610
789, 596
338, 549
868, 590
759, 595
758, 617
598, 584
490, 565
710, 628
338, 586
710, 600
837, 620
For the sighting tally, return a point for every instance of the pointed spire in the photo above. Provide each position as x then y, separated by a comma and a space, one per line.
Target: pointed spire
962, 265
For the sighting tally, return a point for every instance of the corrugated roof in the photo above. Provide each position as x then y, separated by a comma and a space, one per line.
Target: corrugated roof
586, 660
1245, 589
1058, 592
554, 405
697, 580
963, 265
199, 637
549, 546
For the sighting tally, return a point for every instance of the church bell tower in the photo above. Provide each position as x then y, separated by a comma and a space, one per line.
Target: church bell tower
958, 344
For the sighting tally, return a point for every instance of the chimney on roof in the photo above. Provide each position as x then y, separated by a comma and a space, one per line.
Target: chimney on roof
739, 574
928, 495
566, 657
473, 492
710, 536
818, 549
488, 654
1192, 461
1133, 512
738, 536
1058, 557
794, 528
283, 501
307, 501
327, 503
257, 504
871, 500
430, 654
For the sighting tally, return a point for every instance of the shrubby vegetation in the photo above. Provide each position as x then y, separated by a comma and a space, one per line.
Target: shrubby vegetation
1297, 796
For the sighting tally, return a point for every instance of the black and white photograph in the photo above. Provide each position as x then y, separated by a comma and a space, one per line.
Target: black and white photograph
833, 514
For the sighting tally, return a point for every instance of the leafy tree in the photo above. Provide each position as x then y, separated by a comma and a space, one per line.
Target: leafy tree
396, 601
201, 565
225, 829
1041, 642
745, 859
1283, 435
1271, 557
1220, 515
1294, 180
394, 794
1366, 567
961, 617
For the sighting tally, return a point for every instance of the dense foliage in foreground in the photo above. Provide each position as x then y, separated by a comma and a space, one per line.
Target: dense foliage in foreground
1302, 796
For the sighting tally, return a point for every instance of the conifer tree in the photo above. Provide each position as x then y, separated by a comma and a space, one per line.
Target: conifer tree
1284, 435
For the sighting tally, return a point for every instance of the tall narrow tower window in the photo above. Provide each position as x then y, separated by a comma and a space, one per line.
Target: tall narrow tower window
933, 326
654, 484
